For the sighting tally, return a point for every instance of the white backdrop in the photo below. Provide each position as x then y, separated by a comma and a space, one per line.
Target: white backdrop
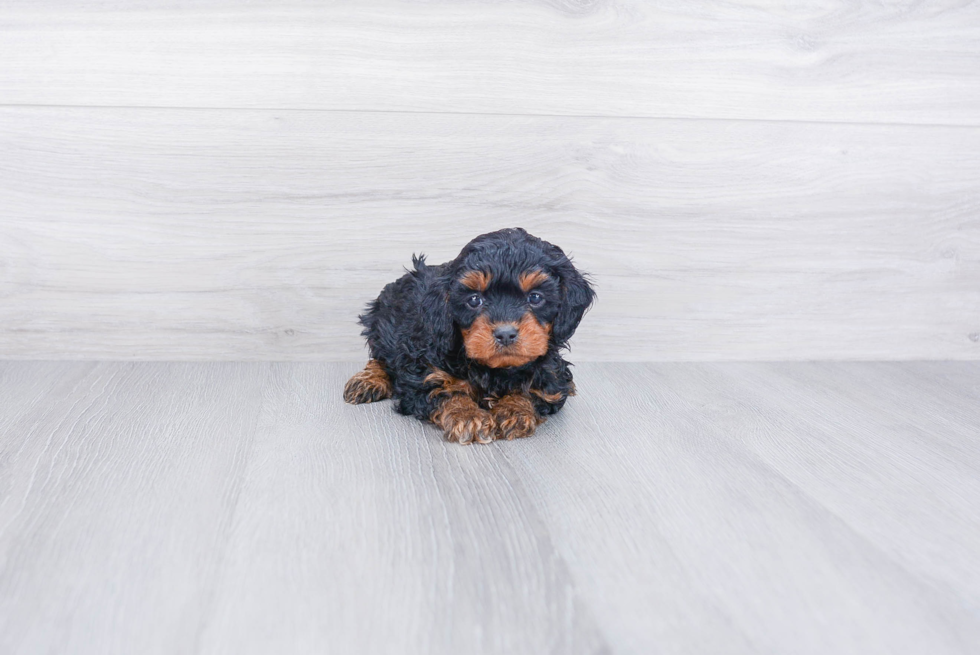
744, 180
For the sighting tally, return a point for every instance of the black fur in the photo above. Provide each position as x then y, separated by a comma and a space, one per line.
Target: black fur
414, 326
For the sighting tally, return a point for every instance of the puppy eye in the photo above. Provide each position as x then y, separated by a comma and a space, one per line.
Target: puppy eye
535, 298
474, 301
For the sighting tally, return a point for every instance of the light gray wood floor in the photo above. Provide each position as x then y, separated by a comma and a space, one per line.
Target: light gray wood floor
683, 507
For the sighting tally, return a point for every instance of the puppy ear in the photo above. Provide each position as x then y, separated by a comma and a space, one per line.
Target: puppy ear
435, 328
577, 296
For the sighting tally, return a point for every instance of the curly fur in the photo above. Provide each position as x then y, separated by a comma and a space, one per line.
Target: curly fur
438, 356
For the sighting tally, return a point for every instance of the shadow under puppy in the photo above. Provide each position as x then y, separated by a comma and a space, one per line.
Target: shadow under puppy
472, 345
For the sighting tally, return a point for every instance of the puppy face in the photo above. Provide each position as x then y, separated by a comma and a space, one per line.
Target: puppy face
508, 294
505, 316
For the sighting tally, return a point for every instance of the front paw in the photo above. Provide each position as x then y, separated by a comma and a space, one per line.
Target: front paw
463, 421
477, 427
367, 386
514, 417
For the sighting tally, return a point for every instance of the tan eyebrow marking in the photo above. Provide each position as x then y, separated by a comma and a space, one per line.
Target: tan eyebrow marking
531, 279
476, 280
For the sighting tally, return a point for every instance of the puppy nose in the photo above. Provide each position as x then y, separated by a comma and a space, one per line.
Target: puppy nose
505, 335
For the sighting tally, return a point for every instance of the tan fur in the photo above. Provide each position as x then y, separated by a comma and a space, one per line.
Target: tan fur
532, 342
448, 385
547, 397
476, 280
514, 417
369, 385
463, 421
530, 279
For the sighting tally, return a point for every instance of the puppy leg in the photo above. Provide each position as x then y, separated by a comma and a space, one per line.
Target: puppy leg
462, 420
369, 385
514, 417
456, 411
549, 403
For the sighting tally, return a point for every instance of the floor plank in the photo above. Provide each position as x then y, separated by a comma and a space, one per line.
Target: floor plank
392, 541
201, 235
684, 507
118, 492
828, 61
709, 491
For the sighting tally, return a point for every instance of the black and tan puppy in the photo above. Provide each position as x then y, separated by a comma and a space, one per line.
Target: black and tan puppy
473, 344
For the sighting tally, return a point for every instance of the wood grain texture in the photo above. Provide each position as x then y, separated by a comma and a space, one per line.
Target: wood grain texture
904, 61
389, 539
119, 489
833, 488
168, 234
243, 508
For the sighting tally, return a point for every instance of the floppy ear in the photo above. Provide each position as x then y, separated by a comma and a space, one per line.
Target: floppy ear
434, 328
577, 296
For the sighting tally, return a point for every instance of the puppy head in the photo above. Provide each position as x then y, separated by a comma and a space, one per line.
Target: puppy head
513, 296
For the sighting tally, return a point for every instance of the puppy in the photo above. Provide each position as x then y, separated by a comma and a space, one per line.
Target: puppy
472, 345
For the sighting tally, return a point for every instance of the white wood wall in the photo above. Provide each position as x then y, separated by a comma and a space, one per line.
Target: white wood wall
744, 180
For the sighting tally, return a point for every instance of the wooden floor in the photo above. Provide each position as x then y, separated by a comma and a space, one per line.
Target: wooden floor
675, 507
